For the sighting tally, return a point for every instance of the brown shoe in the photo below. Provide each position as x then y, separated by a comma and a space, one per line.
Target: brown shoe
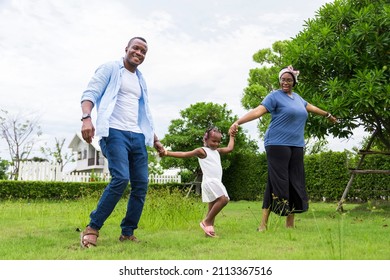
130, 238
88, 237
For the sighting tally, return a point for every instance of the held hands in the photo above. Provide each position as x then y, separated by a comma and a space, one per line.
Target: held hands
159, 147
164, 153
233, 129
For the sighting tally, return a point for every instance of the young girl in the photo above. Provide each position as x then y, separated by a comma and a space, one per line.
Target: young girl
213, 191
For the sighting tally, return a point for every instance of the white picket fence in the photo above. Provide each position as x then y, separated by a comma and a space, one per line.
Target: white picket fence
44, 171
162, 179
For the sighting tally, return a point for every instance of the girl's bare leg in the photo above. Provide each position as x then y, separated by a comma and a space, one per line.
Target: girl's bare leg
214, 208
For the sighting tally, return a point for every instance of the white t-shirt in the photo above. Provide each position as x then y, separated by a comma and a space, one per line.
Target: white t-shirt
125, 114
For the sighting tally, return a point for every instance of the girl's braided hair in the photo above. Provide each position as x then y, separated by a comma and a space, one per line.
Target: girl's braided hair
212, 129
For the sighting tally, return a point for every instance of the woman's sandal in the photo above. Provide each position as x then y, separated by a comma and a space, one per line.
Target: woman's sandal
86, 242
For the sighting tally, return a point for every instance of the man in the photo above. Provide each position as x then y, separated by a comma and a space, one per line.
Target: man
125, 126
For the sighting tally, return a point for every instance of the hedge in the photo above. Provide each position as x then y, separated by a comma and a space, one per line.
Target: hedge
59, 190
246, 177
327, 175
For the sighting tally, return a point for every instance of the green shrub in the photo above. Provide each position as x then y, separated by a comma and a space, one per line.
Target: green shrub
62, 190
246, 177
372, 186
186, 176
49, 189
327, 175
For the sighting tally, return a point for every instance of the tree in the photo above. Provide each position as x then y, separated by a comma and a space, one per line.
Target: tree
186, 134
4, 164
343, 56
263, 80
58, 154
20, 132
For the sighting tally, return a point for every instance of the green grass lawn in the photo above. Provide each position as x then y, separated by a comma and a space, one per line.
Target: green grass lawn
169, 230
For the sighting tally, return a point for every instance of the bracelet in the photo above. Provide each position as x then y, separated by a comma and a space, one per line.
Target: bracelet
328, 115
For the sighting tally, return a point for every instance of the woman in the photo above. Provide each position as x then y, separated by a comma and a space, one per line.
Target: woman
285, 193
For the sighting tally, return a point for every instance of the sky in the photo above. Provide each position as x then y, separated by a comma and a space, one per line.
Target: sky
199, 51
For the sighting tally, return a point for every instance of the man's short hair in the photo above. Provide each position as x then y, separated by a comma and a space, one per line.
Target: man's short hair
135, 38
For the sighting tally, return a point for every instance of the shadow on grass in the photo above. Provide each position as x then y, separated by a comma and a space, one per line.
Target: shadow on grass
379, 207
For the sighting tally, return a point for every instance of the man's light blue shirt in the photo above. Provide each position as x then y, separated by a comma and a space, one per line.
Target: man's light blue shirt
102, 91
288, 121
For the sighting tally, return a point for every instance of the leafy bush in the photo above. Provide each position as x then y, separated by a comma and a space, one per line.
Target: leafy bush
246, 177
61, 190
49, 189
327, 175
372, 186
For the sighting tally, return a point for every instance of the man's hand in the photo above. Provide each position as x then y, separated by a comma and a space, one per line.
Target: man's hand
159, 147
88, 130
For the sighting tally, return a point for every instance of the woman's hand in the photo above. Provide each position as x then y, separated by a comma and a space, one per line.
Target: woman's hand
233, 129
333, 119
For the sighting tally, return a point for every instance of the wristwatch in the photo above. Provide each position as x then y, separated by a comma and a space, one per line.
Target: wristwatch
85, 116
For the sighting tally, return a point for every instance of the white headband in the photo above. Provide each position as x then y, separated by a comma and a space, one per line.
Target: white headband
290, 70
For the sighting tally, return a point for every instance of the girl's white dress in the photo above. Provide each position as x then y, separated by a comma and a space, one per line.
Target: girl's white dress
212, 186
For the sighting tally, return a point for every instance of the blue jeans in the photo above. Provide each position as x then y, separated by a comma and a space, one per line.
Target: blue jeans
127, 160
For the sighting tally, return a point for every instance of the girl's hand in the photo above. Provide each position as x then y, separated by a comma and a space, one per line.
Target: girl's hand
162, 153
233, 129
158, 146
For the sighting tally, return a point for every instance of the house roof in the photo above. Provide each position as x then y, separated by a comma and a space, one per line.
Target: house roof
78, 138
